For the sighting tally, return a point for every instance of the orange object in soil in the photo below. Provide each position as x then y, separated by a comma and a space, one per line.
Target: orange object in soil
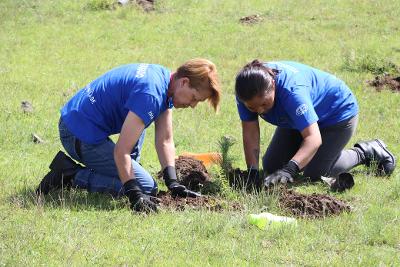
208, 159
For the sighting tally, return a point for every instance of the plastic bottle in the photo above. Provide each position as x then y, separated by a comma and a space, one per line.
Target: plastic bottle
266, 220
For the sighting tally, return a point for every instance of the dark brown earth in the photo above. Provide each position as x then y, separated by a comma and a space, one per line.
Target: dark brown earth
385, 80
26, 107
205, 202
191, 173
311, 206
147, 5
252, 19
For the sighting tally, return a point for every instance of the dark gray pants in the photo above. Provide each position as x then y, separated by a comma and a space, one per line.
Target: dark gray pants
330, 159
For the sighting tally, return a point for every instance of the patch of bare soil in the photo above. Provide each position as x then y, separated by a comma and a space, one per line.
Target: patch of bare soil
386, 80
311, 206
26, 107
205, 202
252, 19
147, 5
190, 172
193, 174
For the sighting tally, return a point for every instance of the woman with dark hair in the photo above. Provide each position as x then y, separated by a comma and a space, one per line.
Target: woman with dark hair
125, 101
316, 114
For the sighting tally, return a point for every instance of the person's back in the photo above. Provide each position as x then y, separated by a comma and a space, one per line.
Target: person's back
331, 99
100, 108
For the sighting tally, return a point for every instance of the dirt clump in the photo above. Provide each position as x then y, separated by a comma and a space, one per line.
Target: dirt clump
147, 5
252, 19
167, 201
386, 80
190, 172
26, 107
311, 206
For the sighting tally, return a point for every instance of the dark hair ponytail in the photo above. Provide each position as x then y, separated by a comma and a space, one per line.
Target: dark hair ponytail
253, 79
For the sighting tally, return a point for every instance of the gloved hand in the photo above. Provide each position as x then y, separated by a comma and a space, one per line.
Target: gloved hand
140, 202
253, 179
169, 175
342, 182
284, 175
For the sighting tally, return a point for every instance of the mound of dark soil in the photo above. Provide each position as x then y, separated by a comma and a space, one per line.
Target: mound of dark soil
190, 172
147, 5
26, 107
252, 19
311, 206
386, 80
205, 202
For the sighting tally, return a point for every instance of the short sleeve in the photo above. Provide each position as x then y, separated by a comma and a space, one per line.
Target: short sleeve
300, 108
244, 113
145, 106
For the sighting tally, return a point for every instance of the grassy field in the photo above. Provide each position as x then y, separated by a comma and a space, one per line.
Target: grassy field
50, 49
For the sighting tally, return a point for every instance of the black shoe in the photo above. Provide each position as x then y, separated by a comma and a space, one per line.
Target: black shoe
61, 174
375, 150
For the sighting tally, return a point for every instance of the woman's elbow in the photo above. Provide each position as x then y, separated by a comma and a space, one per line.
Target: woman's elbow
119, 151
314, 141
116, 152
318, 141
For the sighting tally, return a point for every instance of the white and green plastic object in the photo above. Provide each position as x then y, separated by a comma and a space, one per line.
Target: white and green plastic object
267, 220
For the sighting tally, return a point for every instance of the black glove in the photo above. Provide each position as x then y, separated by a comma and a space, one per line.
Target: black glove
253, 178
343, 182
139, 202
283, 175
169, 175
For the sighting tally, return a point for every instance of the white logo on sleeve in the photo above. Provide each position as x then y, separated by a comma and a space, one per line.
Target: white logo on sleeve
300, 110
89, 92
151, 115
141, 70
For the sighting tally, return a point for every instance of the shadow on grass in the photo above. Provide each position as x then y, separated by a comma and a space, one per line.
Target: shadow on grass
72, 199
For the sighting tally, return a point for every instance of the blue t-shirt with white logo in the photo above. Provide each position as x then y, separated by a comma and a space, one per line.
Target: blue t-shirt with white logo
100, 108
305, 95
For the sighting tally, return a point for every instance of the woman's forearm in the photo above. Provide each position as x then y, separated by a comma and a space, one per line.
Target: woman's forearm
311, 142
251, 143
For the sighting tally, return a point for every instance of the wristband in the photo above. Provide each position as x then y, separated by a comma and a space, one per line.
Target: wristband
169, 175
292, 167
295, 162
132, 190
252, 171
130, 185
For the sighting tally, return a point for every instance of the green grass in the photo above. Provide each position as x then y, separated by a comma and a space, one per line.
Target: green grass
50, 49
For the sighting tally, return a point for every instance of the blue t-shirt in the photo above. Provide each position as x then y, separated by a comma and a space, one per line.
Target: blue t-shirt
100, 108
305, 95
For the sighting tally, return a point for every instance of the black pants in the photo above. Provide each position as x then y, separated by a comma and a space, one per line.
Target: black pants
330, 159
